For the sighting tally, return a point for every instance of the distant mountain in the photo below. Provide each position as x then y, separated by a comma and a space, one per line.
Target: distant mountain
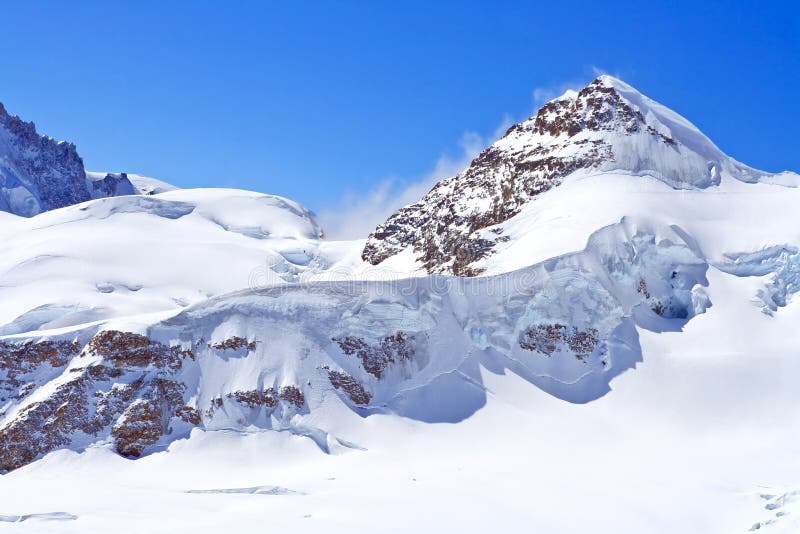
112, 184
38, 173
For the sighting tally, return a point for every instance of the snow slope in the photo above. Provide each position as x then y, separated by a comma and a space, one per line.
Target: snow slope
121, 256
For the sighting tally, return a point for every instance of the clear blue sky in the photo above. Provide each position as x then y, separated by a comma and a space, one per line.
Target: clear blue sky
311, 100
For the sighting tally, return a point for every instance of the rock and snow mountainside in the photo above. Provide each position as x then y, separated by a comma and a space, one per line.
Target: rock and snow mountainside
606, 127
39, 174
602, 228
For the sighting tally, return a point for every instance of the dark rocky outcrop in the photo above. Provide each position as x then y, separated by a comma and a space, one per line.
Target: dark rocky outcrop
21, 364
233, 343
124, 349
38, 173
550, 338
375, 358
132, 394
350, 386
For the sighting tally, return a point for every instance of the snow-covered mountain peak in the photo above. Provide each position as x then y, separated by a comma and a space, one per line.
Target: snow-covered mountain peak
636, 134
608, 127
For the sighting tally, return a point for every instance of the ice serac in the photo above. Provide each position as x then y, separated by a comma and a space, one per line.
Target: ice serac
607, 126
37, 173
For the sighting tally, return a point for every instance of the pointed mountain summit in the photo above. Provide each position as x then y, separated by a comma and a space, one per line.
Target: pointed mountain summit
608, 126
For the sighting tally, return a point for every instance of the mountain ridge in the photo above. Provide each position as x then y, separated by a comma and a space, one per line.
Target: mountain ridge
39, 173
606, 126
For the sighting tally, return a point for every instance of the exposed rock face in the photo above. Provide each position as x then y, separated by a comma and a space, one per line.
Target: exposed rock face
124, 349
45, 425
254, 398
146, 419
134, 392
233, 343
292, 395
21, 364
375, 358
349, 386
139, 427
551, 338
37, 173
132, 395
189, 415
131, 391
458, 222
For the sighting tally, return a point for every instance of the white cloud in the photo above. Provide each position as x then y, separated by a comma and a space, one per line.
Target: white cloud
356, 215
